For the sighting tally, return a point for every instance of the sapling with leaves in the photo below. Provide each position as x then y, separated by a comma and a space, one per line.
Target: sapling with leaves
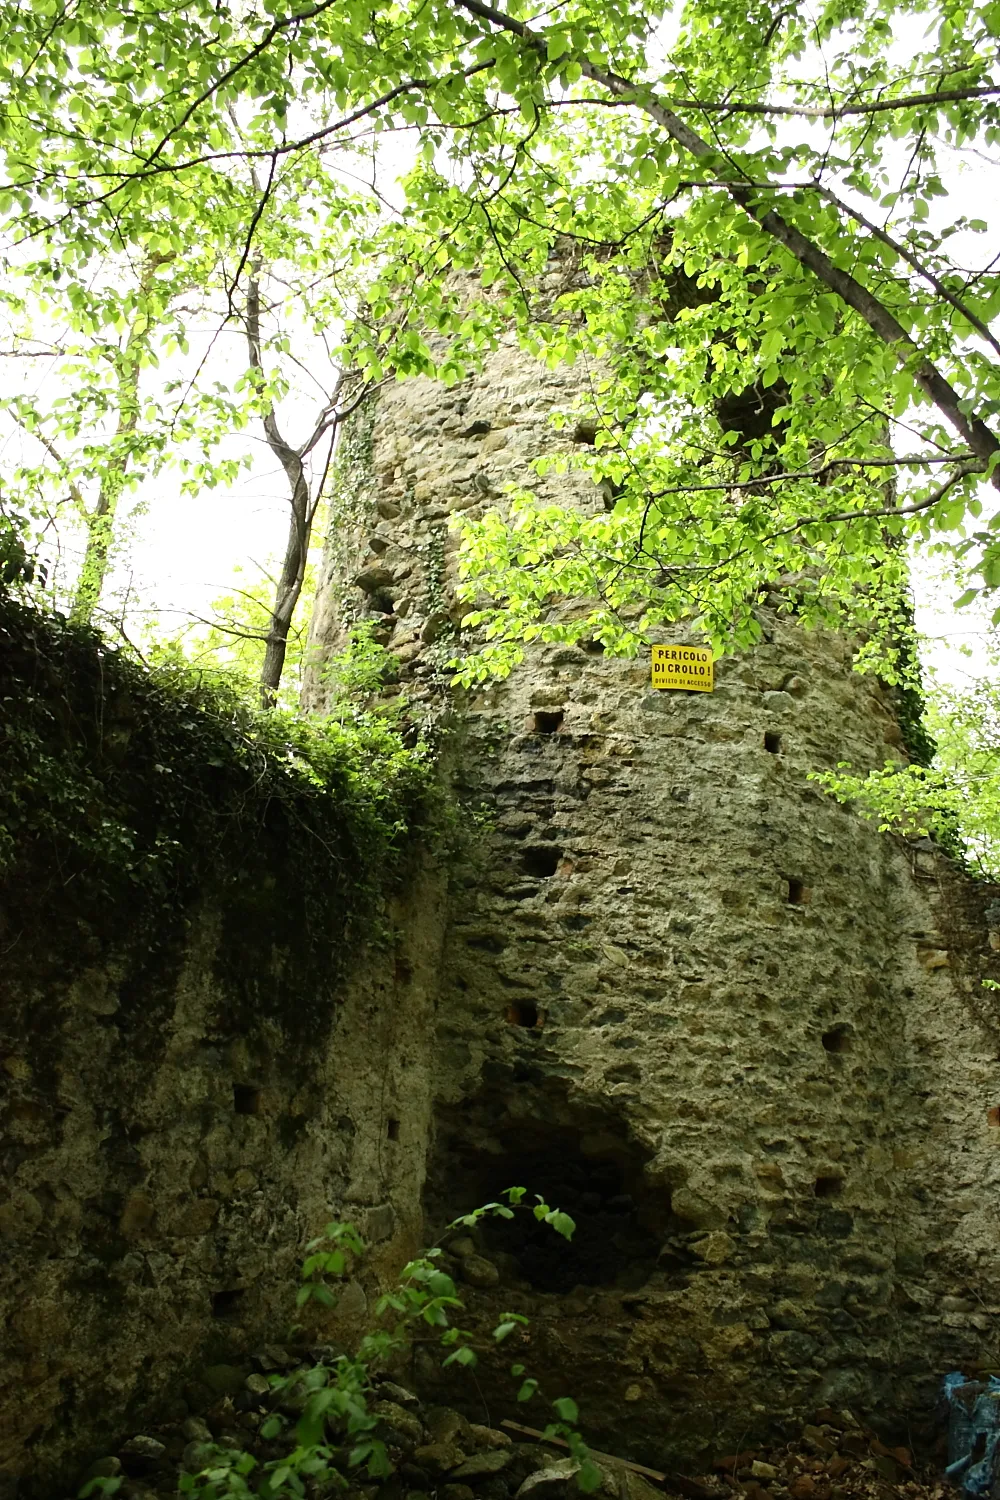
334, 1395
330, 1254
956, 798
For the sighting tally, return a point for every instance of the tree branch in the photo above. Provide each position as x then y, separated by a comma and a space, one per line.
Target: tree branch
906, 254
274, 30
75, 493
153, 168
837, 111
784, 476
334, 414
264, 195
962, 471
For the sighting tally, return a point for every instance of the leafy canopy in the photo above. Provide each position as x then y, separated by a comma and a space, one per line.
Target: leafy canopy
757, 205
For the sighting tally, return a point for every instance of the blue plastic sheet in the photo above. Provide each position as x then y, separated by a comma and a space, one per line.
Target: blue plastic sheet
973, 1432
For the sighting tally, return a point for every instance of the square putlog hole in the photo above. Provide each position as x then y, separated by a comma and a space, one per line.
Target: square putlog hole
772, 742
838, 1039
246, 1099
798, 893
541, 861
228, 1304
524, 1013
548, 720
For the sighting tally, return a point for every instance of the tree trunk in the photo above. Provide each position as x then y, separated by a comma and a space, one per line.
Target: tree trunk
293, 567
286, 594
100, 521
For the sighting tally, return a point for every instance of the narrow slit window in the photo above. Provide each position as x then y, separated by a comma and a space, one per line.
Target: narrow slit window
392, 1130
246, 1099
796, 895
772, 742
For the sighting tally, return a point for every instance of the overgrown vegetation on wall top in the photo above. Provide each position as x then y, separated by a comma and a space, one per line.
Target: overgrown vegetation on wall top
127, 791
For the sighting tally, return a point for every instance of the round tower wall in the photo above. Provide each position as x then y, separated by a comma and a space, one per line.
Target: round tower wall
685, 995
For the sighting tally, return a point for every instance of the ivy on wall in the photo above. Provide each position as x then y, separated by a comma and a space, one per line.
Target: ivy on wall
128, 794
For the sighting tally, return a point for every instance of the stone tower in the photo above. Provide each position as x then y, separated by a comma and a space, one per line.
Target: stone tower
714, 1015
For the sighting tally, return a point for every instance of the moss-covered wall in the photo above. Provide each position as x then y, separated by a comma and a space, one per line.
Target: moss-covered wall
213, 1000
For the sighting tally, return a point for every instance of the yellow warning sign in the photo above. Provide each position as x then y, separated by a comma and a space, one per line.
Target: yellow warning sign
688, 667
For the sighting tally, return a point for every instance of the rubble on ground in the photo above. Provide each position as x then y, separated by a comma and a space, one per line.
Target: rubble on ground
438, 1454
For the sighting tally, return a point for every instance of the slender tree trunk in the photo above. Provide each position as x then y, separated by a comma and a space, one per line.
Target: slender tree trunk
286, 595
100, 521
293, 567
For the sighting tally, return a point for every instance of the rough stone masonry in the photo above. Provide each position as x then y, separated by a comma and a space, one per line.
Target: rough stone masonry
733, 1030
672, 987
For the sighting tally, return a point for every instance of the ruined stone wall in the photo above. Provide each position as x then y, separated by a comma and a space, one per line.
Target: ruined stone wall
165, 1158
711, 1013
216, 980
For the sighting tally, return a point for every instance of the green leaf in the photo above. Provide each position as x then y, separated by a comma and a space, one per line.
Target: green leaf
589, 1477
561, 1223
441, 1284
462, 1356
